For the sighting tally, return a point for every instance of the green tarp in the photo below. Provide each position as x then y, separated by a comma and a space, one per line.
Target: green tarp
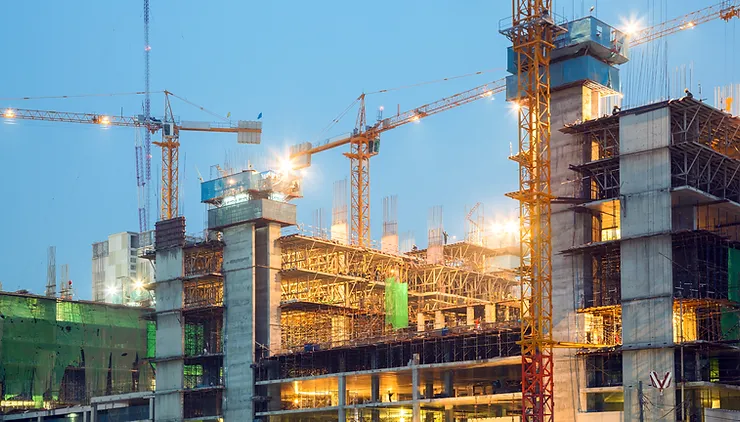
67, 352
396, 303
730, 319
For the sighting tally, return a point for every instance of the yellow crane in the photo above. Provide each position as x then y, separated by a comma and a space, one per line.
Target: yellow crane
248, 132
533, 34
365, 143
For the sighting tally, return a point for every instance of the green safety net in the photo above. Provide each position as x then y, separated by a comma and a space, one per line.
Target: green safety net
396, 303
151, 339
194, 340
730, 321
56, 353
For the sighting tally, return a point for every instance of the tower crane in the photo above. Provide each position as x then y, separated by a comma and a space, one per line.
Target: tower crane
365, 142
532, 33
248, 132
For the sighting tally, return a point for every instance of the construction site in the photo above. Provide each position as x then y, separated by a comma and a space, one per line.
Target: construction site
614, 296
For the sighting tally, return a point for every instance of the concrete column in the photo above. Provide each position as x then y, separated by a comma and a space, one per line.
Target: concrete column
375, 388
389, 243
375, 396
429, 388
568, 105
420, 322
490, 313
646, 267
239, 333
469, 315
447, 384
439, 320
267, 287
94, 413
449, 415
415, 405
342, 398
339, 232
170, 334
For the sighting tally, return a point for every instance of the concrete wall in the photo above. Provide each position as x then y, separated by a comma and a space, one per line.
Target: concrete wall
646, 269
239, 334
267, 295
568, 229
170, 331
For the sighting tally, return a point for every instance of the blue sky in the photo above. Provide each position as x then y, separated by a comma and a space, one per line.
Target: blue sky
300, 64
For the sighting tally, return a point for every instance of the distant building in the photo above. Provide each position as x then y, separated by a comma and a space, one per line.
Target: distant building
118, 272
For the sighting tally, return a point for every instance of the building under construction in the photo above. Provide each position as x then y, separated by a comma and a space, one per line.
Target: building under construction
309, 326
58, 353
281, 323
260, 319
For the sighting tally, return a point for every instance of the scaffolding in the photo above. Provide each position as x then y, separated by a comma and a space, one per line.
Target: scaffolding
334, 294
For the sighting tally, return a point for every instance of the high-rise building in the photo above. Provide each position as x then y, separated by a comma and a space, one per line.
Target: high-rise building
118, 272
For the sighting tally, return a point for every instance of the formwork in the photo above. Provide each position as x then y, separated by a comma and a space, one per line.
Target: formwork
56, 353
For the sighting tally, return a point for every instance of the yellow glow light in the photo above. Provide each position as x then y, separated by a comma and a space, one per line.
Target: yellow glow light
631, 28
9, 113
138, 284
285, 166
415, 119
104, 120
511, 227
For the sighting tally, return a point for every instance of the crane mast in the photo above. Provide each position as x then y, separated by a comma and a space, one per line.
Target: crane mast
170, 145
145, 181
361, 149
532, 34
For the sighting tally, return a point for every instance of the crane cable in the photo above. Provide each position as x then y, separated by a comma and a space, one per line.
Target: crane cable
481, 72
346, 110
201, 108
56, 97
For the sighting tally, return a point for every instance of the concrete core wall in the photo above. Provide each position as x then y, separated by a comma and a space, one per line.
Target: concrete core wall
239, 335
646, 268
568, 229
267, 295
170, 332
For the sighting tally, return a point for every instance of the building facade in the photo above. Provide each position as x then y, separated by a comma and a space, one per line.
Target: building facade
119, 274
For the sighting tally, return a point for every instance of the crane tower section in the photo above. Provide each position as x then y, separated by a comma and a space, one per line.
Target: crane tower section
532, 33
548, 55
